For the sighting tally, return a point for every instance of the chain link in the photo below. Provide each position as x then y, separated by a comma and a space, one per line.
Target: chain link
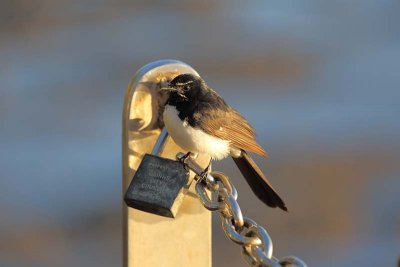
217, 193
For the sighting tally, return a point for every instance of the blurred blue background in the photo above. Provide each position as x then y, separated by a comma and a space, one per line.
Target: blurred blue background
319, 80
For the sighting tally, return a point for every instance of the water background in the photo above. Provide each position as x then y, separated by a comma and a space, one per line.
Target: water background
319, 81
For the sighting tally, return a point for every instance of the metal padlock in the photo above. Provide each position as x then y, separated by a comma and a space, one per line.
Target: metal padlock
159, 184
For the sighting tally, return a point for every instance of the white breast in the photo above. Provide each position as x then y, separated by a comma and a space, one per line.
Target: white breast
192, 139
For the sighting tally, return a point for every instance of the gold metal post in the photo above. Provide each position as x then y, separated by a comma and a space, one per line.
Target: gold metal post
151, 240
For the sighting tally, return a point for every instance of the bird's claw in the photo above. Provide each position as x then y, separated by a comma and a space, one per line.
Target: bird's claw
184, 158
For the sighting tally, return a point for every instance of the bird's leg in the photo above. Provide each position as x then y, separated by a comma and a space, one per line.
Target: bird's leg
188, 155
184, 158
206, 171
210, 181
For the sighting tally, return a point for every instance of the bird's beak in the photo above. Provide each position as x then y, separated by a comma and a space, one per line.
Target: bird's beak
179, 91
169, 89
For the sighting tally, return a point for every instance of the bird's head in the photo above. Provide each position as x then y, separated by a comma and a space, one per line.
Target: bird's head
184, 87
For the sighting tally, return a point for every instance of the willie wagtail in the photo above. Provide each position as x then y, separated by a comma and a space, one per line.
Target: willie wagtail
200, 121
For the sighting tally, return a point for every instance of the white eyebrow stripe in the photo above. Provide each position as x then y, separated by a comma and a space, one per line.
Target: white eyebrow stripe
184, 83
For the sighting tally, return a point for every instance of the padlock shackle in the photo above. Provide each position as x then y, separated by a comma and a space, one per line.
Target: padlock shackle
160, 144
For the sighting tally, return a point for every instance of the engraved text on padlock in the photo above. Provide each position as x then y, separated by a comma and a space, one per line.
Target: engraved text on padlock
158, 186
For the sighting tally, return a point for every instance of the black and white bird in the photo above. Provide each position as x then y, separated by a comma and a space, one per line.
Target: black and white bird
200, 121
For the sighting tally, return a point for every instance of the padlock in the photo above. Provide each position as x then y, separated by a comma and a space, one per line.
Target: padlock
159, 184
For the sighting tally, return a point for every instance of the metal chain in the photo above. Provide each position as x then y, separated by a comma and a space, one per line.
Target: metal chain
217, 193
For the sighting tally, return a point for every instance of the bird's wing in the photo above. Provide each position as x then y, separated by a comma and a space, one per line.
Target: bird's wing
229, 125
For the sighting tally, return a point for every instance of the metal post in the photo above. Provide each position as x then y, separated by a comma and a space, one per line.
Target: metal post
151, 240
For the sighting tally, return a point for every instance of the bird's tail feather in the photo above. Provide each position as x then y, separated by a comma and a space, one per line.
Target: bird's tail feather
258, 182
